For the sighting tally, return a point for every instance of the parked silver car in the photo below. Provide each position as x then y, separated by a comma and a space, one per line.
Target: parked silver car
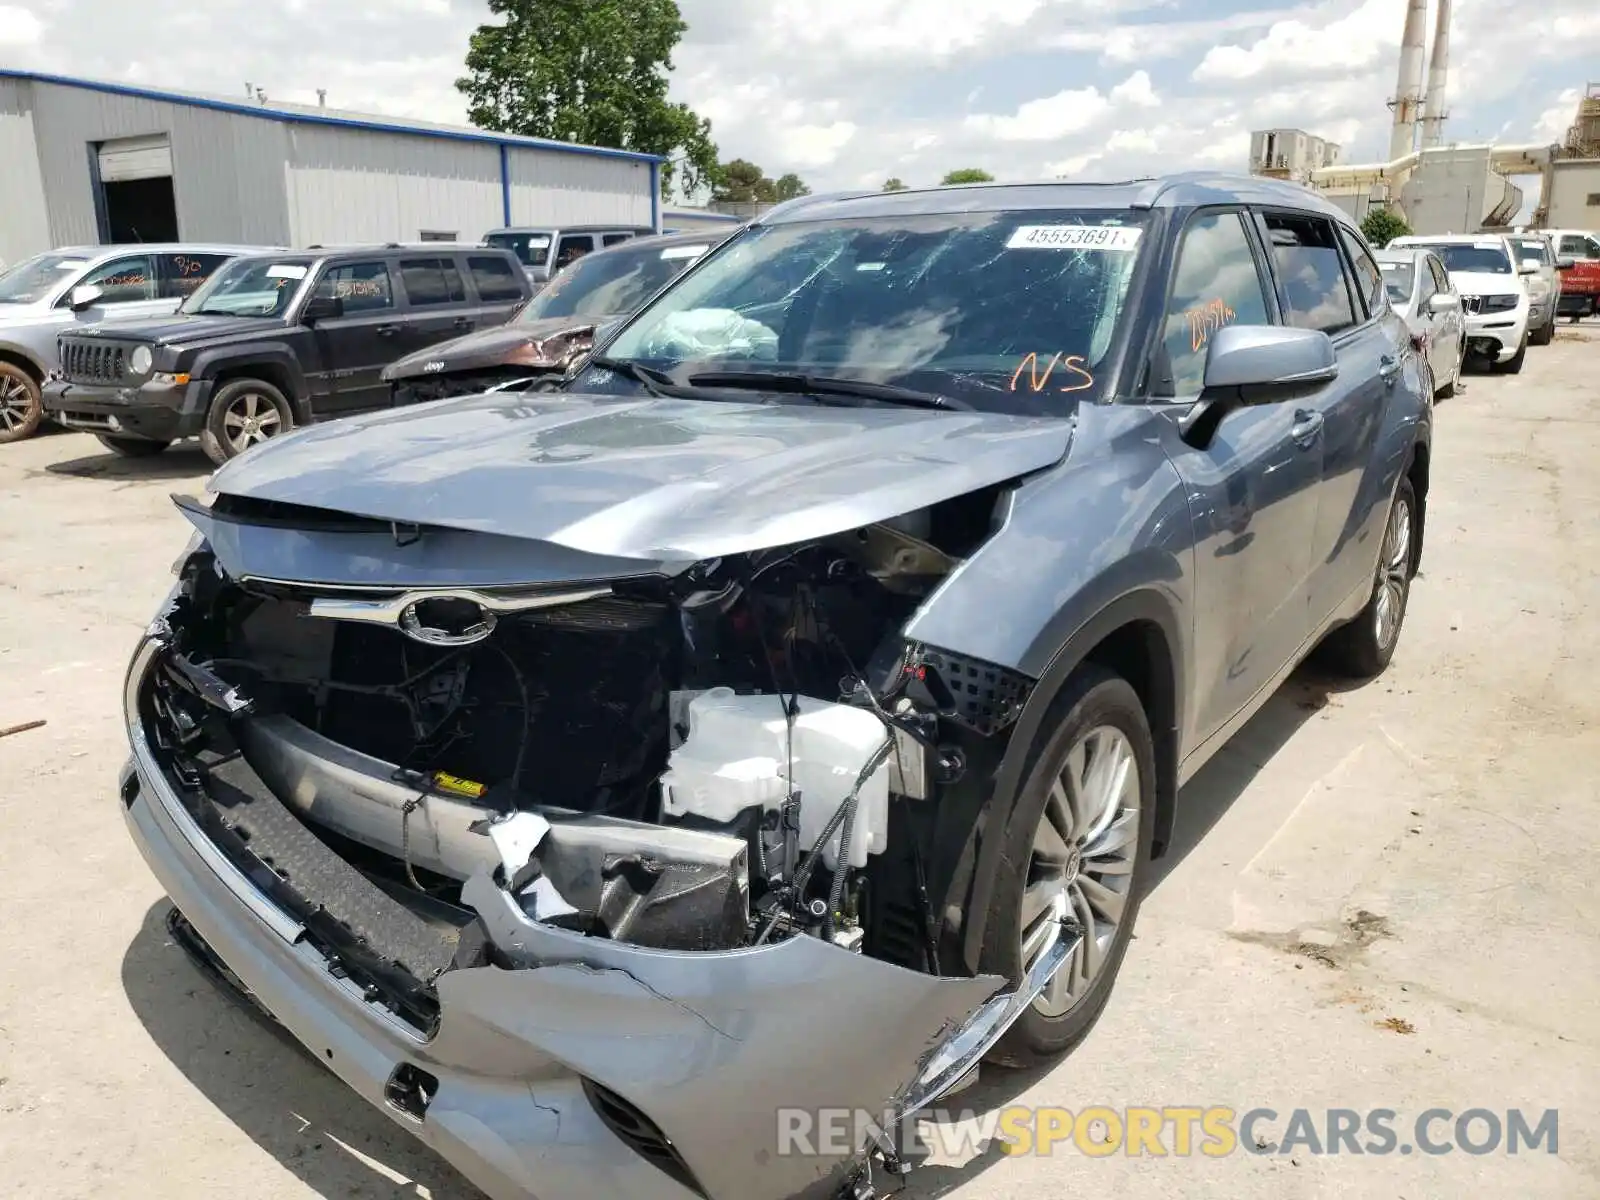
1420, 291
83, 286
1544, 284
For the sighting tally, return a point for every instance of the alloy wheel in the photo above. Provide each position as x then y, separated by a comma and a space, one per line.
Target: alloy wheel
250, 419
15, 404
1083, 851
1394, 574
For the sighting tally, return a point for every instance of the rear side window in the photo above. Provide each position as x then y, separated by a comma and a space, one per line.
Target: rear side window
1305, 254
495, 278
178, 275
431, 281
572, 247
364, 287
1369, 279
1214, 284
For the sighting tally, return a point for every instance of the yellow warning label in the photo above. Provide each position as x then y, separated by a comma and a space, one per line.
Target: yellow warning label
458, 787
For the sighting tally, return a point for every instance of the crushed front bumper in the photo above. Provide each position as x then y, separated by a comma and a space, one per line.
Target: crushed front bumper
596, 1068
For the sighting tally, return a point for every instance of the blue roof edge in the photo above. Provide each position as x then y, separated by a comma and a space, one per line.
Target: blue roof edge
375, 124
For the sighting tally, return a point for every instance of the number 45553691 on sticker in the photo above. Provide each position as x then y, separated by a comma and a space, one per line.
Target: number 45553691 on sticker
1074, 237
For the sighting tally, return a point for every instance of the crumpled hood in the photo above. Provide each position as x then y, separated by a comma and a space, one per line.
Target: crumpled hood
491, 347
661, 480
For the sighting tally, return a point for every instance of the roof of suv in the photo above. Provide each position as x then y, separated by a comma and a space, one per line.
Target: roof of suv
1185, 190
612, 228
162, 248
1447, 239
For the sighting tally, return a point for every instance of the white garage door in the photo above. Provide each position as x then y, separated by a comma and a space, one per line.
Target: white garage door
135, 158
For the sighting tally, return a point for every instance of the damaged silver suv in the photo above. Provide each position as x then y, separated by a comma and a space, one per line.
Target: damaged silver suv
786, 714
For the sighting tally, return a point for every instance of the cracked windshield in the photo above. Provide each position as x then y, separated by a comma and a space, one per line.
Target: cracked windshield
1008, 312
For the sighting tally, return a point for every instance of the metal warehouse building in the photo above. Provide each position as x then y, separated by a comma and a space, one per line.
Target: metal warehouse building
86, 162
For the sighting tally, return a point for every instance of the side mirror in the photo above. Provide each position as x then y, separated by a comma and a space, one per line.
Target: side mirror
85, 296
1257, 364
1566, 264
1528, 268
322, 308
1441, 302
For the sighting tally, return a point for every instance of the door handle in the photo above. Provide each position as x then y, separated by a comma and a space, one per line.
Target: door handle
463, 322
1389, 368
386, 330
1307, 428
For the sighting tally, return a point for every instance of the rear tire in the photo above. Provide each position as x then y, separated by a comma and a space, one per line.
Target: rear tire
21, 406
1097, 718
244, 413
1364, 647
131, 447
1546, 333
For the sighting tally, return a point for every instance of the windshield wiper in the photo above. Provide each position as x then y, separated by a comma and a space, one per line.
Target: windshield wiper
827, 385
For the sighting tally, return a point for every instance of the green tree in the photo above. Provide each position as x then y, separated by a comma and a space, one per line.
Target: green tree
742, 182
1382, 225
589, 71
968, 175
894, 184
790, 186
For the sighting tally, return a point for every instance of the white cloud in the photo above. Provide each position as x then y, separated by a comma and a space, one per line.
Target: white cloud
1300, 45
19, 27
1136, 90
1045, 119
1554, 122
811, 146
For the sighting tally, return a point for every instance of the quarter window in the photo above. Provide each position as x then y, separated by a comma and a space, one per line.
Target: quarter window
496, 279
1215, 283
123, 280
364, 287
1305, 251
1369, 279
431, 281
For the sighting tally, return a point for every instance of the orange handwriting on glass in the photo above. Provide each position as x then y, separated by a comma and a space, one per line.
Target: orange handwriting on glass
1205, 319
1067, 370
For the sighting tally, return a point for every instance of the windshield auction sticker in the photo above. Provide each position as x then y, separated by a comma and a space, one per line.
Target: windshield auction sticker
1074, 237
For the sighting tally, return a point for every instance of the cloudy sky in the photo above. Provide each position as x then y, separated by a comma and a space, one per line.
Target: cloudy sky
850, 92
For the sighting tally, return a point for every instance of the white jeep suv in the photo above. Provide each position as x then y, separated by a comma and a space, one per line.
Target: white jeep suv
1490, 276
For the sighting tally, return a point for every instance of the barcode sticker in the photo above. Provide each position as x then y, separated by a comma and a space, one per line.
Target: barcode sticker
1120, 238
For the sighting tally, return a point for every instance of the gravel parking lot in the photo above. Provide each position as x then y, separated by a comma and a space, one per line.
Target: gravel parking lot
1382, 897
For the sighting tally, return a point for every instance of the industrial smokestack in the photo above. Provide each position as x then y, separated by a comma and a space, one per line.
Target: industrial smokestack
1433, 113
1408, 89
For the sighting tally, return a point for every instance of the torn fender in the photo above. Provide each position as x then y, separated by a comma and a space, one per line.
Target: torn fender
714, 1048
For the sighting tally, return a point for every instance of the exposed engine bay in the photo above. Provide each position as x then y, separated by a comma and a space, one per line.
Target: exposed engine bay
743, 753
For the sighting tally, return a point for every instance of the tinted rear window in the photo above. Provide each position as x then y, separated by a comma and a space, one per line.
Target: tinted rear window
531, 249
432, 281
495, 277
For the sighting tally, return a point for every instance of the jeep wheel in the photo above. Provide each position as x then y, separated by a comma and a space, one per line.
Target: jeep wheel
244, 413
1545, 334
1077, 842
21, 410
131, 447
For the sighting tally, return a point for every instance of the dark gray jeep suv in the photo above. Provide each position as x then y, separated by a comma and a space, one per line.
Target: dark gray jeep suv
786, 714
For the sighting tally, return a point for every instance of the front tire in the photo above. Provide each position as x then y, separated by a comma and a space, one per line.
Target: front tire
131, 447
1546, 333
1364, 647
1078, 836
244, 413
21, 406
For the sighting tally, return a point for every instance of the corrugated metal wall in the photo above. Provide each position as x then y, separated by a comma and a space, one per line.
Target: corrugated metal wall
355, 185
24, 217
552, 188
227, 170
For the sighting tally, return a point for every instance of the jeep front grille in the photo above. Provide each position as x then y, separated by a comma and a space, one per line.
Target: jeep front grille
92, 362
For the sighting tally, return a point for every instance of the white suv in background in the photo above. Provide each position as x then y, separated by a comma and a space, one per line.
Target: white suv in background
1489, 274
1544, 285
